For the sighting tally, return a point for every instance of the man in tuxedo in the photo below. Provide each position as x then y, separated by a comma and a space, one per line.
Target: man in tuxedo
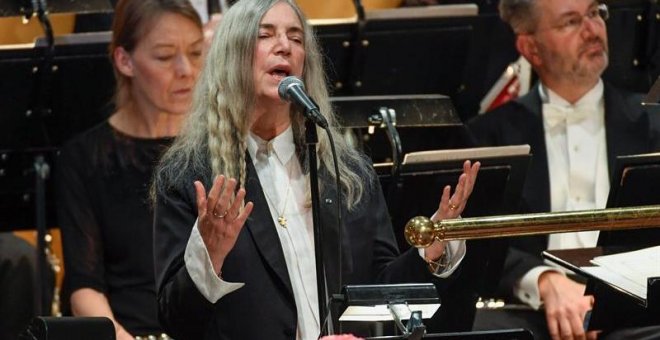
576, 125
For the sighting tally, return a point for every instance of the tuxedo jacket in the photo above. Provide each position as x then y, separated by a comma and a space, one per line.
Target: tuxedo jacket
629, 129
265, 308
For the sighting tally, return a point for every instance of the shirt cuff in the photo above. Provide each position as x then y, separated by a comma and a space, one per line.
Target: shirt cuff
199, 266
454, 252
527, 289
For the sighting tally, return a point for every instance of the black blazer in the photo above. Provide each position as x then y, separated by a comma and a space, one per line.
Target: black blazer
629, 130
264, 308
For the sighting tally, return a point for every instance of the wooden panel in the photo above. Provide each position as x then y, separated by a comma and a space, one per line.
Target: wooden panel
14, 31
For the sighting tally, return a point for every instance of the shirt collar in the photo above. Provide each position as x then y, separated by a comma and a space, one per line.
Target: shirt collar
591, 98
282, 146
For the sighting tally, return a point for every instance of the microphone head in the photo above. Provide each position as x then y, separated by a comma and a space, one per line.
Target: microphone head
285, 84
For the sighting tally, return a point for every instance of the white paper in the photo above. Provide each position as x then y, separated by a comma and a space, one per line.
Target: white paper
629, 270
382, 313
469, 153
617, 280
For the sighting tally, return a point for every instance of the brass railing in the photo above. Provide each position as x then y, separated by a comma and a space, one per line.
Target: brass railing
420, 231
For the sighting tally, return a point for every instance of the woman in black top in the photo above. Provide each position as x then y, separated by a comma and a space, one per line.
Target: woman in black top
103, 175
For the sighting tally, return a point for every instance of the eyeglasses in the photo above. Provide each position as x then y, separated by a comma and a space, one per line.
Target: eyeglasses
573, 23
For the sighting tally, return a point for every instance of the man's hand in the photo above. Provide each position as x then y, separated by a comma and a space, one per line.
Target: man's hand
565, 306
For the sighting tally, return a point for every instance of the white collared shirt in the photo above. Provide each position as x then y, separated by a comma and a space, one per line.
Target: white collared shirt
285, 187
577, 165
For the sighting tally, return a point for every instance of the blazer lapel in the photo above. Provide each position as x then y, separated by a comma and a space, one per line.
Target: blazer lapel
331, 237
264, 234
261, 227
538, 176
623, 126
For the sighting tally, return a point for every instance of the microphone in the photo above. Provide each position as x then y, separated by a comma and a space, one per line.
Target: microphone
292, 89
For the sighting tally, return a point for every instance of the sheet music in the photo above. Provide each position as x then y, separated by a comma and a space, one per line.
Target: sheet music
460, 154
629, 270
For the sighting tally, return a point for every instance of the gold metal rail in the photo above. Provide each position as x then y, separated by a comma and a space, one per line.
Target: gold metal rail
421, 231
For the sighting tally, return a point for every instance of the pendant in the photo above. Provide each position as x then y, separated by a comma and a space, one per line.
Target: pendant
282, 221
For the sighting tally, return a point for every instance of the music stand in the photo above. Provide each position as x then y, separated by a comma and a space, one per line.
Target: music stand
411, 110
11, 8
78, 102
69, 328
45, 101
398, 51
614, 306
634, 183
412, 302
419, 186
497, 191
499, 334
409, 55
393, 112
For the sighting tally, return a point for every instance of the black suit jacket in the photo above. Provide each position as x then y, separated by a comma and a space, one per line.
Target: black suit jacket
629, 130
264, 308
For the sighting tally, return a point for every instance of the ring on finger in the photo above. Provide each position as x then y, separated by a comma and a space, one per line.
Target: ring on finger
452, 206
216, 215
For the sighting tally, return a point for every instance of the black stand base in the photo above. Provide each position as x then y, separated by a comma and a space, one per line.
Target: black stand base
69, 328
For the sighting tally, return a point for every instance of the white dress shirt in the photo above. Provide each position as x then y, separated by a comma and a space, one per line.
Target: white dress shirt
577, 164
285, 187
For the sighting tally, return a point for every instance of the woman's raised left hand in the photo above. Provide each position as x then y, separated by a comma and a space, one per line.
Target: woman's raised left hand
452, 205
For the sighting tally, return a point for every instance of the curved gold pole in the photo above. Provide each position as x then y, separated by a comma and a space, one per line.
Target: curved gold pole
421, 231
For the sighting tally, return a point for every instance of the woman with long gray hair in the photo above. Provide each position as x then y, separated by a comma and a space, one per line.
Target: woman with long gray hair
227, 269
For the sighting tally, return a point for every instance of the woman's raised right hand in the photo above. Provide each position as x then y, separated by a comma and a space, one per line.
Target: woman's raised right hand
221, 216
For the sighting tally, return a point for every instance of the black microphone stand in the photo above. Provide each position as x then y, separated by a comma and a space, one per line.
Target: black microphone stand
311, 139
359, 9
41, 172
41, 167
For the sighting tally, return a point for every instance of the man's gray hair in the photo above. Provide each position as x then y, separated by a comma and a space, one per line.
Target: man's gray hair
521, 15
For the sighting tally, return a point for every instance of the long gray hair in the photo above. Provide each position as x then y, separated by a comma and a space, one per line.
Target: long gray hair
218, 126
